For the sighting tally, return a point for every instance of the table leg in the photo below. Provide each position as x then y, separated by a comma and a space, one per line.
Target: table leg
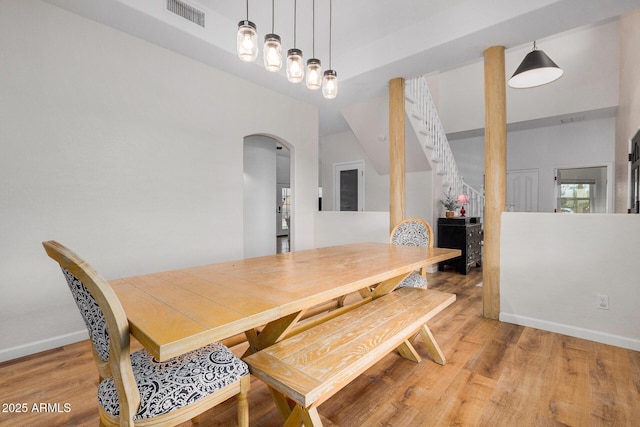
271, 333
388, 285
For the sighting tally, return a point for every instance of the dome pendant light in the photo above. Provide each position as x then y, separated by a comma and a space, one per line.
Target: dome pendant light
272, 47
330, 77
314, 69
295, 64
247, 39
536, 69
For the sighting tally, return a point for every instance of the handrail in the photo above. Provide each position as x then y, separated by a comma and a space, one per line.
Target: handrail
435, 140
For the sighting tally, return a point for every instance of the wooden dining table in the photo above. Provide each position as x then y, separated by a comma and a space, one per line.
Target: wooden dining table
173, 312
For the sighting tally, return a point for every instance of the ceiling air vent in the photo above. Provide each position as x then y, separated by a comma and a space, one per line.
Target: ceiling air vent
187, 11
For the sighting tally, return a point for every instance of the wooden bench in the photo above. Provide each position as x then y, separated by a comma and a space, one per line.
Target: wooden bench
306, 369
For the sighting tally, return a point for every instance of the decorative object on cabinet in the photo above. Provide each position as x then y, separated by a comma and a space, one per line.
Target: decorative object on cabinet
450, 203
464, 233
462, 200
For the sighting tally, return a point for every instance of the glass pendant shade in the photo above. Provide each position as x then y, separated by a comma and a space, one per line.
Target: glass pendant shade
295, 66
314, 74
272, 52
536, 69
330, 84
247, 41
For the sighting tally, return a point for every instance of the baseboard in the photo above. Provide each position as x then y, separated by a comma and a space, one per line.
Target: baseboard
42, 345
572, 331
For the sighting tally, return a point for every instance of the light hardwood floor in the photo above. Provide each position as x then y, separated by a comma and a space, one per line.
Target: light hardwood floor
497, 374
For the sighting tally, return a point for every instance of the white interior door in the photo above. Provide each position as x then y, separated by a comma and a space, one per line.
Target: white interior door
522, 190
348, 186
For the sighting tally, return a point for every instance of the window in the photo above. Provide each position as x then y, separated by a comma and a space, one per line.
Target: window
576, 197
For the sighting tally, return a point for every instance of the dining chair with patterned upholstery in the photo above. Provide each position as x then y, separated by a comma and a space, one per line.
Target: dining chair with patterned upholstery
135, 389
413, 232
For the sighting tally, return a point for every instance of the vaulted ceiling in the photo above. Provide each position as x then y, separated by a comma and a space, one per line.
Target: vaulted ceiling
373, 41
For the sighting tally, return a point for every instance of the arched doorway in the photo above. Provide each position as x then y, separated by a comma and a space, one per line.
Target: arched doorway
267, 196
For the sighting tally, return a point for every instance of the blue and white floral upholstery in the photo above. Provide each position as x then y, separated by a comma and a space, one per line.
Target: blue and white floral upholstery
91, 314
415, 280
167, 386
149, 388
412, 232
163, 386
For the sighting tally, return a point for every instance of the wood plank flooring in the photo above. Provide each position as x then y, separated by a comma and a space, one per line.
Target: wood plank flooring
497, 374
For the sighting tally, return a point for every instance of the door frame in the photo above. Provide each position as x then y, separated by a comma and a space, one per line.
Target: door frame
344, 166
609, 200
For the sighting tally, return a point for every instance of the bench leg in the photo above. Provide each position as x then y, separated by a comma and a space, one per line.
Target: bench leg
293, 413
283, 404
432, 345
407, 351
308, 417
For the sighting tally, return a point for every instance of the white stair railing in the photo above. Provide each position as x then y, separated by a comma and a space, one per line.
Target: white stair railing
436, 145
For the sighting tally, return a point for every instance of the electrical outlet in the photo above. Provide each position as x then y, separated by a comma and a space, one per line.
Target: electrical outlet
603, 302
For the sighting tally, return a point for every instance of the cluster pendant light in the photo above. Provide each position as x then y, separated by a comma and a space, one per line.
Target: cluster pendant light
314, 69
247, 49
536, 69
272, 53
330, 77
247, 40
295, 65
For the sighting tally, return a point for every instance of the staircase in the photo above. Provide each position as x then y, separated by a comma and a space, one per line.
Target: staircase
433, 140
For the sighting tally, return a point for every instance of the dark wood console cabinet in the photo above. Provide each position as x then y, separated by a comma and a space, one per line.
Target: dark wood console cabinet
464, 233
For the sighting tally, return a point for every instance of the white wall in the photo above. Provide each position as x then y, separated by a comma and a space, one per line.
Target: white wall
553, 267
344, 147
338, 228
577, 144
126, 152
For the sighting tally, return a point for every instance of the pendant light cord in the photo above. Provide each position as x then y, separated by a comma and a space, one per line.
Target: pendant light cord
330, 18
313, 29
295, 13
273, 14
247, 10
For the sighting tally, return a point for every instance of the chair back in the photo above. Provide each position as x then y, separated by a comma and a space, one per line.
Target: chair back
412, 232
106, 322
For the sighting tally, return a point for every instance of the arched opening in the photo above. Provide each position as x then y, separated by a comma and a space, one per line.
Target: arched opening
267, 196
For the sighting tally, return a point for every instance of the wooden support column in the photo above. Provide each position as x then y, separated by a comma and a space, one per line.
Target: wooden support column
396, 153
495, 165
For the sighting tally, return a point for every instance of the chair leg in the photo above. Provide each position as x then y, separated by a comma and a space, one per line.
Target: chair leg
243, 401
